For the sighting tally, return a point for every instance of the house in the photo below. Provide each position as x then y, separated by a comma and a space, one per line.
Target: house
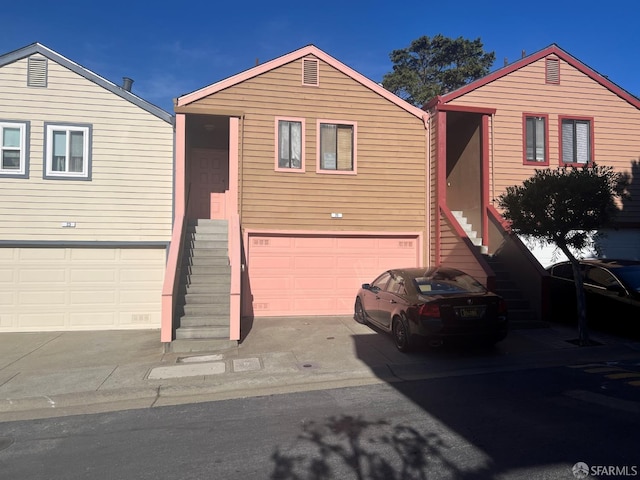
299, 179
86, 177
545, 110
320, 175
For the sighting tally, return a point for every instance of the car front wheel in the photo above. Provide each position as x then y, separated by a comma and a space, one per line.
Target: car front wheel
359, 314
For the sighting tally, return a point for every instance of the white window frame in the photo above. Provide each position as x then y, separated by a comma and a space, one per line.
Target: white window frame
22, 171
354, 150
49, 173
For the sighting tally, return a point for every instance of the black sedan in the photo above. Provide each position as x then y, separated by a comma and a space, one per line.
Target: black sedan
431, 305
612, 291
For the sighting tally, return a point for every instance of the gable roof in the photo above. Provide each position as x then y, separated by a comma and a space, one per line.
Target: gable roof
288, 58
88, 74
550, 50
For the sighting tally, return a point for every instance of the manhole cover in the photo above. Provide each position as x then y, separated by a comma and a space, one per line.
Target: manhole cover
5, 442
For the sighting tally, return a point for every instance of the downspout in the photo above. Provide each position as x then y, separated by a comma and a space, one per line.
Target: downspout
425, 119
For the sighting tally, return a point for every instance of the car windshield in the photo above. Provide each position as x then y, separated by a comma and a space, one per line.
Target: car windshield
630, 276
447, 283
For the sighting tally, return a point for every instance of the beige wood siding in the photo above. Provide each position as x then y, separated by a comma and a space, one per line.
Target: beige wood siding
387, 194
129, 197
50, 289
616, 123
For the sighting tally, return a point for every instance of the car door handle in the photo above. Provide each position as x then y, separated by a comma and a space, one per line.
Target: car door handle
392, 301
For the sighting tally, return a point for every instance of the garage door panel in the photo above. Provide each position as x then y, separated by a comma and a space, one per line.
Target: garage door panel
319, 275
61, 288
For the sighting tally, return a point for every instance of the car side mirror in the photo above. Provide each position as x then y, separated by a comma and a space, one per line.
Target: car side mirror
366, 286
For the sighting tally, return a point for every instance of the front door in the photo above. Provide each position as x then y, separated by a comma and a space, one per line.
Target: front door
209, 178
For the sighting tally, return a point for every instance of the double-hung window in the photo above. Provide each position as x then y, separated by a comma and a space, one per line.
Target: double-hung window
535, 139
290, 147
68, 150
337, 147
13, 149
576, 141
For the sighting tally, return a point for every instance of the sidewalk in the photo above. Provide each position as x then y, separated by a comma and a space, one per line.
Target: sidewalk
62, 373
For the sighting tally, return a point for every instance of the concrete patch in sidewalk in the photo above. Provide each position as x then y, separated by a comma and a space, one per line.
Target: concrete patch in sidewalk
190, 370
246, 364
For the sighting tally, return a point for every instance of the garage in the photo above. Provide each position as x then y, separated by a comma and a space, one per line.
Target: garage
319, 274
65, 289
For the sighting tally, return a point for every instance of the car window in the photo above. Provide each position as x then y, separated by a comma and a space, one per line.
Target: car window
600, 277
381, 281
563, 270
440, 283
630, 276
396, 285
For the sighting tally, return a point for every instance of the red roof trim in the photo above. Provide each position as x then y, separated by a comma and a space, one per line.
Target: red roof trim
550, 50
290, 57
467, 109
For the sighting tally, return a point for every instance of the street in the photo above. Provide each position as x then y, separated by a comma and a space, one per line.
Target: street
528, 423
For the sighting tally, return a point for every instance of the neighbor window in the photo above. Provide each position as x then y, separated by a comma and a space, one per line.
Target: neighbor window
13, 149
337, 147
290, 148
575, 141
535, 137
68, 151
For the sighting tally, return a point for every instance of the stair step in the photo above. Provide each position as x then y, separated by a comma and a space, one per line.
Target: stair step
220, 320
205, 252
199, 309
203, 332
185, 345
206, 299
205, 244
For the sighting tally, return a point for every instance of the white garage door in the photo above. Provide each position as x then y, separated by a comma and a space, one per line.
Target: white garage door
50, 289
319, 275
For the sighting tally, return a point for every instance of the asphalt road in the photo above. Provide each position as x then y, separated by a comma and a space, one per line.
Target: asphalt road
526, 424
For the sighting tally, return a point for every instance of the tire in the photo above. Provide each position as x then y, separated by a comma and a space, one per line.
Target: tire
401, 335
359, 314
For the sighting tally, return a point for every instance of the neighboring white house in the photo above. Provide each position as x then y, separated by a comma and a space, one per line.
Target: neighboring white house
86, 182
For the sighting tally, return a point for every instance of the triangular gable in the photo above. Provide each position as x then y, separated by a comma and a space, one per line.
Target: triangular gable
88, 74
550, 50
288, 58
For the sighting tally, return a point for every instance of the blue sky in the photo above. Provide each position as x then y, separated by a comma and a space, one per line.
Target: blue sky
173, 48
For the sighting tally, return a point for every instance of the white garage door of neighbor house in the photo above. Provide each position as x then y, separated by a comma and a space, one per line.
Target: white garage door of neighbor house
49, 289
319, 275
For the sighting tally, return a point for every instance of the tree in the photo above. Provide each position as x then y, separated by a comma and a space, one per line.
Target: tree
564, 207
432, 66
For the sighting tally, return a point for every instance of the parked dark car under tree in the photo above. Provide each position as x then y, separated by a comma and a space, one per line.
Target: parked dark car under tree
612, 291
432, 305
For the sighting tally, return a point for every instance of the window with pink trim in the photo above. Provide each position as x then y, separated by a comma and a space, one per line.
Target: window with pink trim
535, 139
336, 147
290, 144
576, 140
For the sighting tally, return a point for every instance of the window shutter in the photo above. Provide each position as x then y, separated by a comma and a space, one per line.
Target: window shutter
37, 72
310, 74
553, 71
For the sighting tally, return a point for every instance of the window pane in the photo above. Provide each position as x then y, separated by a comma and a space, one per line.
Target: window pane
345, 147
582, 142
567, 141
328, 145
535, 135
59, 144
11, 160
11, 137
530, 133
296, 144
540, 138
283, 145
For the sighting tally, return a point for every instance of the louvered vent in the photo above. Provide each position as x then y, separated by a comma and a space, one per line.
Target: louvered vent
553, 70
37, 72
310, 72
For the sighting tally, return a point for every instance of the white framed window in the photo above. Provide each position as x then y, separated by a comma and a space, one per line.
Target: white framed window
68, 151
337, 147
14, 149
290, 144
576, 141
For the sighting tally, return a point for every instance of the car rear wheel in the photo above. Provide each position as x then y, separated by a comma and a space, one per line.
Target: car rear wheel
401, 335
359, 314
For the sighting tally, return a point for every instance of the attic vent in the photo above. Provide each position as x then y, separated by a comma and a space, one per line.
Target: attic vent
553, 71
310, 72
37, 72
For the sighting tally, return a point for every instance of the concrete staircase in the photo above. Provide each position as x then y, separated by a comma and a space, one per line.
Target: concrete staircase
468, 228
205, 286
521, 315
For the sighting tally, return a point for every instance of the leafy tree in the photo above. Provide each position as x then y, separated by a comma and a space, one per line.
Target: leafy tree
563, 207
433, 66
